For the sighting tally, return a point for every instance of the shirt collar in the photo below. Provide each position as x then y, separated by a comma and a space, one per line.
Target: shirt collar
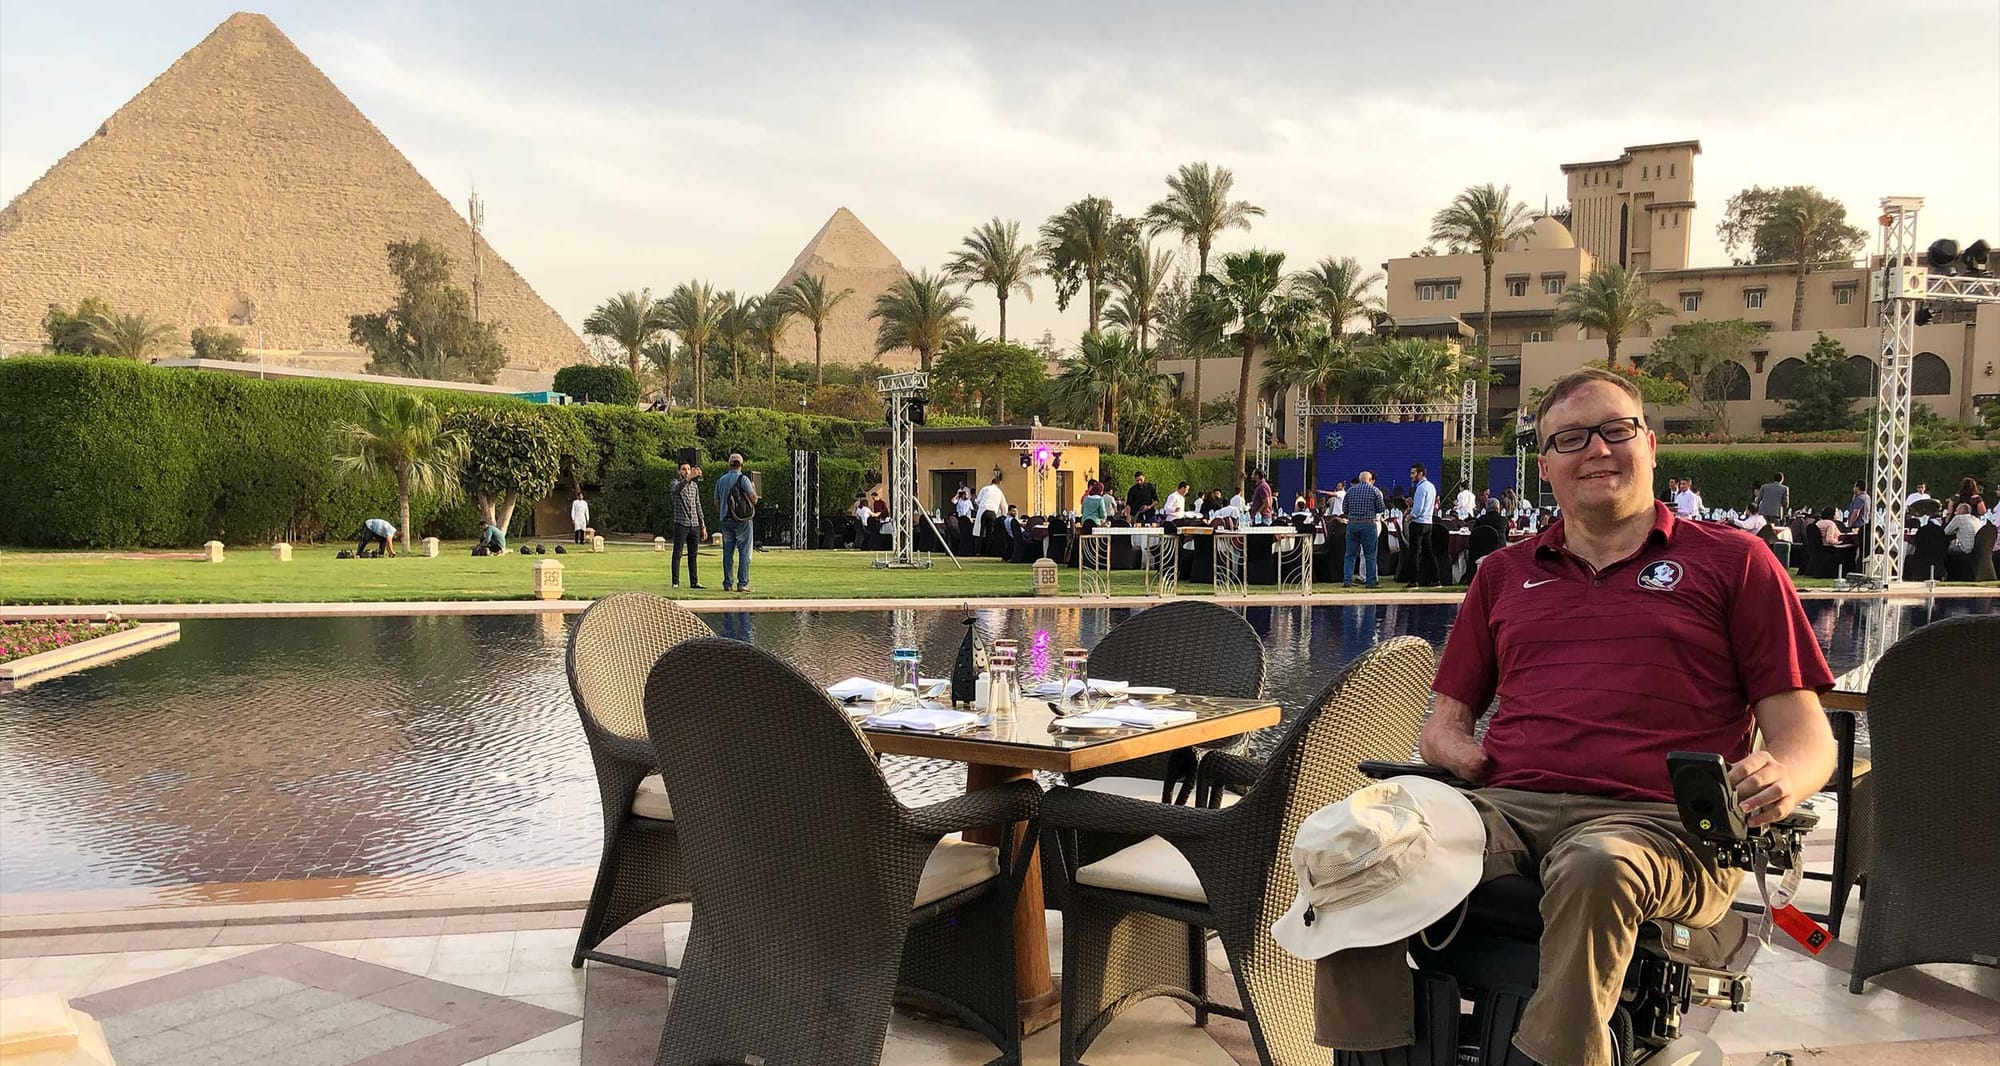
1550, 543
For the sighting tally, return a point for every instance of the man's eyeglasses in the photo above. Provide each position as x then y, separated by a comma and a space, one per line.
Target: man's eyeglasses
1616, 431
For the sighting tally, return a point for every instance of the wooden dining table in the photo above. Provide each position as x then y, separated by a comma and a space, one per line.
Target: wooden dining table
996, 754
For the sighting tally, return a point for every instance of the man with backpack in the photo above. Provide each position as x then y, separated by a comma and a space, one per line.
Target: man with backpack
736, 502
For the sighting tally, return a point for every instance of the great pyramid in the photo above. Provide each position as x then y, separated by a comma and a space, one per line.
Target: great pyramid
848, 256
242, 186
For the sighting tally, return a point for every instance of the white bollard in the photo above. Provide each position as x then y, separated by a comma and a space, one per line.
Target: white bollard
214, 551
281, 552
1045, 577
597, 545
430, 547
548, 580
659, 544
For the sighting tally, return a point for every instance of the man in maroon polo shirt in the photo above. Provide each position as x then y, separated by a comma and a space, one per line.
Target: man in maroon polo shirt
1620, 634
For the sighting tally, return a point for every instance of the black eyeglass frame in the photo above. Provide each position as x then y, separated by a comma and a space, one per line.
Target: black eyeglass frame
1637, 423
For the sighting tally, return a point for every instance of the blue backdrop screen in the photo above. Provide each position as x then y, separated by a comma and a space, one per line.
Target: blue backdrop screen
1500, 474
1344, 449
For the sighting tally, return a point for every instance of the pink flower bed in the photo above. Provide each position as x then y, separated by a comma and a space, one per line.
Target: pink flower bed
18, 640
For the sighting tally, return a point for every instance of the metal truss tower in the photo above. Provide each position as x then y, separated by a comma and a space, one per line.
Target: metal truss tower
900, 390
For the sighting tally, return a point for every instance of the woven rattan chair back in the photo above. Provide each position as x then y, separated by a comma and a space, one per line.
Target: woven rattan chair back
1371, 711
1935, 729
802, 874
612, 652
1191, 645
1982, 552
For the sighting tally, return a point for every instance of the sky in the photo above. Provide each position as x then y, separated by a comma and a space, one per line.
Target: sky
628, 145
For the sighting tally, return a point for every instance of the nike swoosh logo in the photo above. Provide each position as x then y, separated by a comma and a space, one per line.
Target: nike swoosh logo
1544, 581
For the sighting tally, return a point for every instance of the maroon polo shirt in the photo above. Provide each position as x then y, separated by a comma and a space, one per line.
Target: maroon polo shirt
1601, 673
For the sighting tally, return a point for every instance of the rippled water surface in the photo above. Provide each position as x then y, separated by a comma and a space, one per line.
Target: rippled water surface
297, 748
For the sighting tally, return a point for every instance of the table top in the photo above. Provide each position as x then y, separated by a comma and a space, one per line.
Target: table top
1850, 690
1027, 744
1126, 531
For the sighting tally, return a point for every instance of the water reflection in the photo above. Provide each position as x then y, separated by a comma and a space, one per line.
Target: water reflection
300, 748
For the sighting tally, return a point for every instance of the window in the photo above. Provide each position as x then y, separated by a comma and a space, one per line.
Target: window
1448, 291
1690, 301
1758, 358
1426, 292
1930, 375
1670, 169
1753, 298
1536, 336
1843, 294
1553, 284
1677, 220
1517, 286
1642, 173
1663, 220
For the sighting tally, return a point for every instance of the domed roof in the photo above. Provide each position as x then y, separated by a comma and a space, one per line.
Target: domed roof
1546, 233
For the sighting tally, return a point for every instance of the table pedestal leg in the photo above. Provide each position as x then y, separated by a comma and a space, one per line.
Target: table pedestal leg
1040, 1004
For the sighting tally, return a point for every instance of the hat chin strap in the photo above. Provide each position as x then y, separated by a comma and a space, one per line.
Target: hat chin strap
1423, 934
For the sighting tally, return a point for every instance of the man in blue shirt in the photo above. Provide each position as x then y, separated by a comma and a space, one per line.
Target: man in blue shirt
1363, 506
1423, 512
736, 502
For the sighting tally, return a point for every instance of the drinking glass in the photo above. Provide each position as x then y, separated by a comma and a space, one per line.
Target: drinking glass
1076, 670
904, 676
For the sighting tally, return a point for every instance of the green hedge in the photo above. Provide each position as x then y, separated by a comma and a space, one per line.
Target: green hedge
1200, 474
1817, 478
112, 453
598, 383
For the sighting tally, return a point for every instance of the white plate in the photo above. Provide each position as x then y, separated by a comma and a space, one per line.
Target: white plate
1148, 690
1082, 723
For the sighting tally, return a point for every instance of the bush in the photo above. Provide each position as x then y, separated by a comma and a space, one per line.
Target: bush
212, 342
1200, 474
1817, 478
598, 383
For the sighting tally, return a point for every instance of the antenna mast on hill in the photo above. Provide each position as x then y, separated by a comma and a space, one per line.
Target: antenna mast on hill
475, 213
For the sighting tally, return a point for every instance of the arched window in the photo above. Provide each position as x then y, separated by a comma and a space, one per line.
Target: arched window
1729, 381
1779, 385
1861, 378
1929, 376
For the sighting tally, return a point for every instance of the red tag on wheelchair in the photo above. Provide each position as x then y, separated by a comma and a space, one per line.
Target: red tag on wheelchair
1811, 935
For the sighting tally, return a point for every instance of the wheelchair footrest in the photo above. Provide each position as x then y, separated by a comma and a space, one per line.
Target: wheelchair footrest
1718, 988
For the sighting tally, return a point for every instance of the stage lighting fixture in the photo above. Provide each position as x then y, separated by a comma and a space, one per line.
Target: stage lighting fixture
1976, 259
1024, 460
1943, 256
1042, 456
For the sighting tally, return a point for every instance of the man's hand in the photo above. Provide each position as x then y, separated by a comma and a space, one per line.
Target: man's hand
1447, 741
1766, 789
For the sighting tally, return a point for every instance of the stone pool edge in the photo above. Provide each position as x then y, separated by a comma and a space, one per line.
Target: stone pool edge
61, 662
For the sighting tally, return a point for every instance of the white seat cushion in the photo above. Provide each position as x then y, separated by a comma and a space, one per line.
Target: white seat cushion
955, 866
651, 801
1144, 788
1151, 867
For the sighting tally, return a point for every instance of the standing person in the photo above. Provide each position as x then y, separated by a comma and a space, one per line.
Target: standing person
1466, 502
1858, 511
1417, 534
991, 501
690, 529
1363, 505
1686, 503
1774, 498
1142, 497
1337, 500
878, 505
1922, 494
579, 515
376, 531
1176, 505
736, 501
961, 507
1574, 787
1263, 500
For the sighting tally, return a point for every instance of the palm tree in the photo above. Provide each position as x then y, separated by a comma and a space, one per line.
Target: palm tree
1139, 280
1803, 218
694, 311
1079, 247
630, 320
131, 336
1109, 375
659, 355
1482, 219
995, 255
1318, 363
807, 297
1407, 371
1612, 300
1341, 289
402, 433
1198, 209
768, 316
919, 311
734, 328
1251, 307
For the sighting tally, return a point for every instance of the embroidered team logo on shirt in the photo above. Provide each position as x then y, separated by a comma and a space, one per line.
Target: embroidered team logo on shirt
1661, 576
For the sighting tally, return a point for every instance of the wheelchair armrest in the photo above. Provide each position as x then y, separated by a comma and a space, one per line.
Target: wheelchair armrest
1376, 769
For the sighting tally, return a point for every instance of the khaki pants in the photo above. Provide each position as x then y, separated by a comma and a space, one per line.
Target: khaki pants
1607, 866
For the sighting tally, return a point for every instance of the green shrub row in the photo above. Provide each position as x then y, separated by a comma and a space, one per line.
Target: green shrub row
1200, 474
114, 453
1817, 478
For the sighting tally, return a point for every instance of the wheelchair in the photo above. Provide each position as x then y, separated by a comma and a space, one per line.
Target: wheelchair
1490, 956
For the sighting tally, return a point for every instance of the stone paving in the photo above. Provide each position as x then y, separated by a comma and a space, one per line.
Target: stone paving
496, 987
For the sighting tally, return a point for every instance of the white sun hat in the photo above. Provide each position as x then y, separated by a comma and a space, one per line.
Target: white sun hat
1380, 865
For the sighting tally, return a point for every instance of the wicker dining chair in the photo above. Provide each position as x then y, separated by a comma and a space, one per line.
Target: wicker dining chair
1189, 645
1133, 922
611, 653
817, 895
1931, 893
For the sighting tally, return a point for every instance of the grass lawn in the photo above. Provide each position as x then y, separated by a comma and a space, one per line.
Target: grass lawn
251, 575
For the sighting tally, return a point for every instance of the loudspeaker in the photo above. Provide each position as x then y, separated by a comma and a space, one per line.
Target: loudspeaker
691, 456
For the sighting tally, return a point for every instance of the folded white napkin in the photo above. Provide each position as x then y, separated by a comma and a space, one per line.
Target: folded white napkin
924, 720
1100, 686
860, 688
1135, 714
